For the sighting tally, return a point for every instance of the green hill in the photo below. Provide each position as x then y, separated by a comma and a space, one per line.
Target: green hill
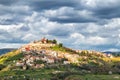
48, 60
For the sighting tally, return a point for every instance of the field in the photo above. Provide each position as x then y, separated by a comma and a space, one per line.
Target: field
53, 74
93, 77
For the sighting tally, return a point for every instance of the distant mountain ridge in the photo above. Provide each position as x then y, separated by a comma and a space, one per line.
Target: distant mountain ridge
5, 50
116, 53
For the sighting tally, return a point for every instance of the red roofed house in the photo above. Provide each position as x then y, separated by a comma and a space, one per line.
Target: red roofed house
27, 48
44, 40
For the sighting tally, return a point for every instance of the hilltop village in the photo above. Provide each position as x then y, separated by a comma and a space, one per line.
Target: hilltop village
49, 58
38, 54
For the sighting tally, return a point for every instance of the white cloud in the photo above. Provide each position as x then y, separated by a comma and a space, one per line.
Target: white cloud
77, 35
92, 28
67, 12
2, 37
99, 3
10, 45
113, 50
29, 37
113, 24
88, 34
10, 28
63, 11
90, 3
96, 40
20, 8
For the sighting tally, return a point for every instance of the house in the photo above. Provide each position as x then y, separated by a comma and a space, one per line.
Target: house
78, 51
37, 58
39, 66
30, 64
44, 40
44, 58
24, 67
61, 55
43, 52
19, 63
27, 48
50, 60
23, 50
55, 54
66, 62
30, 60
110, 55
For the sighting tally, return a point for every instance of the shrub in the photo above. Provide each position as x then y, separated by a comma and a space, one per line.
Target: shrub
16, 57
2, 66
60, 45
54, 41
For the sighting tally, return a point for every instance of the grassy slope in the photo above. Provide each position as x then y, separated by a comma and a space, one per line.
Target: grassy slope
93, 77
8, 60
48, 74
8, 55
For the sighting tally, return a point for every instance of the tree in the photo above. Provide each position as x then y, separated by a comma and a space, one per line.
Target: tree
54, 41
60, 45
2, 66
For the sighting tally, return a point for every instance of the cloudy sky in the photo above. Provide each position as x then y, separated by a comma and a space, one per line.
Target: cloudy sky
79, 24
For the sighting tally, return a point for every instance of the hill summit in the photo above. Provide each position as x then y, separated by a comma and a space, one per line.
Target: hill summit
55, 58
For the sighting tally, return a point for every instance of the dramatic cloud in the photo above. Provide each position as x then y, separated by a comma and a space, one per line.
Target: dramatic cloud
103, 9
39, 5
79, 24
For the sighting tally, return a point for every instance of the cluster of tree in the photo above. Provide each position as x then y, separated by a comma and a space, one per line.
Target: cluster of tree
116, 54
54, 41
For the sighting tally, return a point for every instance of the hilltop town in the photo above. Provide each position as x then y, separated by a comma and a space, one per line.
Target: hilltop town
41, 51
42, 55
39, 54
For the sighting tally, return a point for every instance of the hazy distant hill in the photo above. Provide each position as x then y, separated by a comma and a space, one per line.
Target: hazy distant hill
5, 50
113, 53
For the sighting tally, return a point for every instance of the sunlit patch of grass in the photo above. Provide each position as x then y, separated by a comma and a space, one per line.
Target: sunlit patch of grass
4, 57
2, 60
114, 59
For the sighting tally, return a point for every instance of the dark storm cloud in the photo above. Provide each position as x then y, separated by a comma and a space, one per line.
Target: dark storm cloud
6, 22
7, 2
3, 32
39, 5
103, 47
13, 14
59, 32
107, 13
107, 9
97, 12
24, 28
11, 21
72, 20
14, 40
